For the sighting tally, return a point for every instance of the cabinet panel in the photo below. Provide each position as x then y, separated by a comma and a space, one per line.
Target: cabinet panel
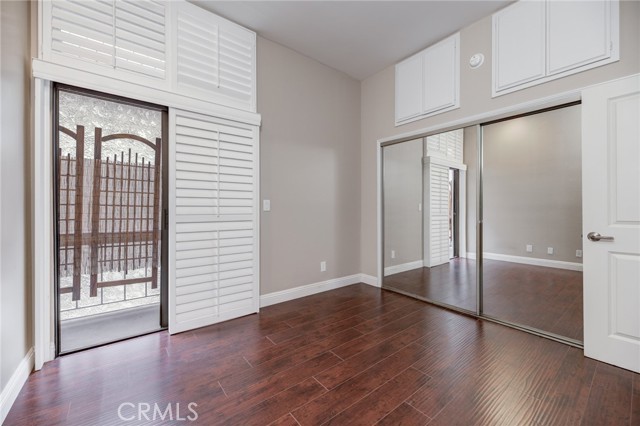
428, 82
409, 75
578, 34
519, 44
440, 75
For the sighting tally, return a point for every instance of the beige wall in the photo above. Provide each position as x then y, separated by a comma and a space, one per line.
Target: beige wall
532, 185
16, 337
310, 169
377, 103
402, 165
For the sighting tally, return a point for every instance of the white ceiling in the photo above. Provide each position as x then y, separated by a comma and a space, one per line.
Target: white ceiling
359, 38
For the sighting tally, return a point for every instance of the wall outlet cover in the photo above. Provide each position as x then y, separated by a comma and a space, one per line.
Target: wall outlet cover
323, 266
578, 253
549, 250
529, 248
393, 254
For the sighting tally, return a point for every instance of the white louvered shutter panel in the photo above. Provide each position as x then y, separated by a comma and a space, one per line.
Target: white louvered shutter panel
448, 145
439, 214
141, 37
215, 57
82, 30
237, 56
214, 237
112, 38
197, 50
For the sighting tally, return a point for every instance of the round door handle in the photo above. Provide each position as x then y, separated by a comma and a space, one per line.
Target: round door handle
595, 237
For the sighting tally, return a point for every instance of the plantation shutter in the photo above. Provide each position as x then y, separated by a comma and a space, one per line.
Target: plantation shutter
125, 35
437, 217
213, 244
83, 30
140, 35
214, 56
447, 145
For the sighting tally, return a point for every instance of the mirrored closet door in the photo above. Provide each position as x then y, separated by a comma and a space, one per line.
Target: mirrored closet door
532, 221
429, 202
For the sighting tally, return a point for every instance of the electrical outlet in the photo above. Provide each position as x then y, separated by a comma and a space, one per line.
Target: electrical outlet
266, 205
578, 253
419, 207
549, 250
529, 248
393, 254
323, 266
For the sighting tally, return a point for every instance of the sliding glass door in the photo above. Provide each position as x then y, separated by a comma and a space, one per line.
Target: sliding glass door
109, 210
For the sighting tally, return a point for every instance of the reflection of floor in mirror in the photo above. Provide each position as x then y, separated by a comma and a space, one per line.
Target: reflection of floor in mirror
548, 299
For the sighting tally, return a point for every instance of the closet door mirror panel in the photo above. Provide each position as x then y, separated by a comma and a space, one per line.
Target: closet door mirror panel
532, 221
429, 218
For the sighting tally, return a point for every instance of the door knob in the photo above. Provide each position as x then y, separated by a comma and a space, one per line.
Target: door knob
594, 236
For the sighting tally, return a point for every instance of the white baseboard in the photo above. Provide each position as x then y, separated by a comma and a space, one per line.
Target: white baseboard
369, 279
307, 290
549, 263
15, 383
396, 269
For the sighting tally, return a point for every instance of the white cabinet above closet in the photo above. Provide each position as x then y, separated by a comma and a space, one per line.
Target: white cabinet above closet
538, 41
427, 83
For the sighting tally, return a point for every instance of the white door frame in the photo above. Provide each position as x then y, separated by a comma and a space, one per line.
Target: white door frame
42, 225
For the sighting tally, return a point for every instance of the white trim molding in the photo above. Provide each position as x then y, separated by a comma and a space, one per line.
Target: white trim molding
15, 384
315, 288
369, 280
549, 263
396, 269
42, 223
59, 73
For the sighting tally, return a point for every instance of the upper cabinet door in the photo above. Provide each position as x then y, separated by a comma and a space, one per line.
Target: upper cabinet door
536, 41
579, 34
441, 75
409, 75
519, 44
428, 83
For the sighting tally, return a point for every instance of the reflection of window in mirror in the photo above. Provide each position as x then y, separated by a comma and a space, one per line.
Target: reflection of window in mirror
438, 270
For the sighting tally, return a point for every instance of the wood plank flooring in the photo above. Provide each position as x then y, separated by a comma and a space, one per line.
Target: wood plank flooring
548, 299
353, 356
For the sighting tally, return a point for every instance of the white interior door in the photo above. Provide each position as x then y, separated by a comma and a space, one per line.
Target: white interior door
611, 208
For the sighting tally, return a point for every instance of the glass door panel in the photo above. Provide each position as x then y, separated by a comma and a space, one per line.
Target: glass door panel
109, 209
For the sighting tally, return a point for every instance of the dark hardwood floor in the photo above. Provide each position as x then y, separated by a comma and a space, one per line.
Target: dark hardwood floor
356, 355
548, 299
